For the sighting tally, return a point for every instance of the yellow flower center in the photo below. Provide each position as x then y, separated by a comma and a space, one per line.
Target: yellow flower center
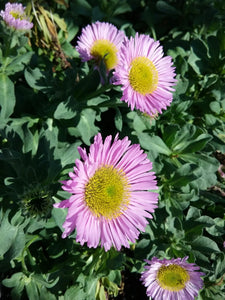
16, 15
143, 75
107, 192
172, 278
104, 49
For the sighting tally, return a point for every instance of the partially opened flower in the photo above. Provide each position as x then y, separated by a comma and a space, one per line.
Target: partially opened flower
14, 16
145, 75
100, 41
174, 279
110, 194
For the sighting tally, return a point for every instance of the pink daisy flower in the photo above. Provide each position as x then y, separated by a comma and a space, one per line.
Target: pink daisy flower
174, 279
110, 198
145, 75
14, 16
99, 41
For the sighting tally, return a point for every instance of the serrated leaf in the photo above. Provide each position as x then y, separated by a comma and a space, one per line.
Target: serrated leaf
86, 127
19, 63
64, 111
7, 237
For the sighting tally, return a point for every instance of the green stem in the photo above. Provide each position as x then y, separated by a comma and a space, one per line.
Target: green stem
24, 267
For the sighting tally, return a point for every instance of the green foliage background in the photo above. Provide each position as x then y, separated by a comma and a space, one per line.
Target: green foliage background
51, 103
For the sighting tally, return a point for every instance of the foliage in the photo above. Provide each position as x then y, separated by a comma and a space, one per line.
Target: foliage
51, 103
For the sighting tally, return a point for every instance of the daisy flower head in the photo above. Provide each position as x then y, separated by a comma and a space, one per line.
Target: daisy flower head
174, 279
145, 76
100, 41
14, 16
110, 200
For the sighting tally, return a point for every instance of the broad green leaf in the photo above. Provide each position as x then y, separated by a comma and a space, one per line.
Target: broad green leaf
215, 107
198, 144
153, 143
205, 245
7, 97
75, 292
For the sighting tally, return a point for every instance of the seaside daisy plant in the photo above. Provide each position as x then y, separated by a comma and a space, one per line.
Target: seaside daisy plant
172, 279
146, 76
14, 16
111, 198
100, 41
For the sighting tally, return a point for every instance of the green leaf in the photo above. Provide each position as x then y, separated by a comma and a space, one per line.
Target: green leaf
153, 143
86, 128
75, 292
205, 245
59, 216
35, 78
166, 8
100, 295
68, 155
183, 176
198, 58
118, 120
218, 229
65, 111
32, 290
17, 282
197, 144
7, 96
18, 63
215, 107
12, 238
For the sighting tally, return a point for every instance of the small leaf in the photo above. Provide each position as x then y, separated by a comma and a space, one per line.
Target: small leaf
215, 107
118, 120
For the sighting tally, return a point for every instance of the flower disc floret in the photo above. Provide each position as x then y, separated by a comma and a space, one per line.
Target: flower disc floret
105, 50
145, 75
14, 16
172, 279
100, 41
107, 192
111, 194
